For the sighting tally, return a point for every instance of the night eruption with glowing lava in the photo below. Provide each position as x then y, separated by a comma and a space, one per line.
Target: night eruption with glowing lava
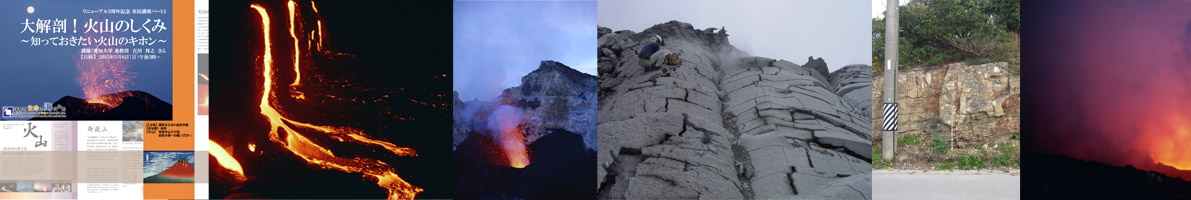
498, 155
1108, 100
347, 113
103, 76
505, 122
524, 123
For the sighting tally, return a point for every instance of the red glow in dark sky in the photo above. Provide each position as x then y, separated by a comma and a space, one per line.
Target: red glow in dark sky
1109, 81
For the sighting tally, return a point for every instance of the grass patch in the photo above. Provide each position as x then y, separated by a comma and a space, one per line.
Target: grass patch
939, 145
879, 162
1008, 155
908, 140
945, 165
971, 162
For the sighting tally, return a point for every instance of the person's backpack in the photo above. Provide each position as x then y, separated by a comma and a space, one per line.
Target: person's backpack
672, 59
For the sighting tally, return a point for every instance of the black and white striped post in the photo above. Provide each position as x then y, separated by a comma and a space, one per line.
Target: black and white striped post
889, 125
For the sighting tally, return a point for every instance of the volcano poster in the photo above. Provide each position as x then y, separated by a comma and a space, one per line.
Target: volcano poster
100, 60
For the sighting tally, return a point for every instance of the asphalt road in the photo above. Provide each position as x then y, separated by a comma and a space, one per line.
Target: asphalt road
969, 184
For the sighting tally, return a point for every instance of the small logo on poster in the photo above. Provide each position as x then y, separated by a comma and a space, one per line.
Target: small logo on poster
8, 111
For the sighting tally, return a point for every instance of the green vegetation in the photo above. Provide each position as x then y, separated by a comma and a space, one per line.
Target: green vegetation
908, 140
1005, 154
945, 165
999, 154
939, 145
971, 162
879, 162
1008, 157
944, 31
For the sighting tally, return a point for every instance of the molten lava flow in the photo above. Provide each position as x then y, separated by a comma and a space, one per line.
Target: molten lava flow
225, 159
316, 154
320, 27
297, 73
506, 122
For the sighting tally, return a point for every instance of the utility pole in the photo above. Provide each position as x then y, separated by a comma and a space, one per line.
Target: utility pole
889, 97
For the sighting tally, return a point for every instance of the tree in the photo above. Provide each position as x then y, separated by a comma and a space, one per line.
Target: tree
938, 31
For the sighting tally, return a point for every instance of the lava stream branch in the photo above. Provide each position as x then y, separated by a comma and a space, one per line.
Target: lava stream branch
296, 142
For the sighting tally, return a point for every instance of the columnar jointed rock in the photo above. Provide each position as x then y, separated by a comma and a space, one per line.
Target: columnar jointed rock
979, 104
725, 125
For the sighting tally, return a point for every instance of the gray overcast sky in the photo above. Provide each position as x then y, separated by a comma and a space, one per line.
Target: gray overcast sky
879, 7
838, 31
498, 42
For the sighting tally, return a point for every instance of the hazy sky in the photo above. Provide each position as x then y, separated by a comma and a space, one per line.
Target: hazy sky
838, 31
496, 43
879, 7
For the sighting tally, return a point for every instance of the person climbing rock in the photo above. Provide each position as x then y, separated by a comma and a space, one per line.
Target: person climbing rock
652, 56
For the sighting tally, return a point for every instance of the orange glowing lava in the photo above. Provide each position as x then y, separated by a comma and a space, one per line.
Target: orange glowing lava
225, 159
315, 154
515, 148
506, 121
1173, 149
320, 27
297, 73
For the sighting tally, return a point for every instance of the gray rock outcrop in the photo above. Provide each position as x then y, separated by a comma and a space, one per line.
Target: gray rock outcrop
726, 125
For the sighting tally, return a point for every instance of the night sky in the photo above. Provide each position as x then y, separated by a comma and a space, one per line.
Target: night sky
31, 75
1108, 80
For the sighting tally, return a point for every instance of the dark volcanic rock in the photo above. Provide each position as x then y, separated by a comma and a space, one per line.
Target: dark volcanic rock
560, 168
816, 64
1062, 177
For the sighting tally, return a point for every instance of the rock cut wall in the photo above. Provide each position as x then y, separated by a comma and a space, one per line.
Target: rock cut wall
979, 104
